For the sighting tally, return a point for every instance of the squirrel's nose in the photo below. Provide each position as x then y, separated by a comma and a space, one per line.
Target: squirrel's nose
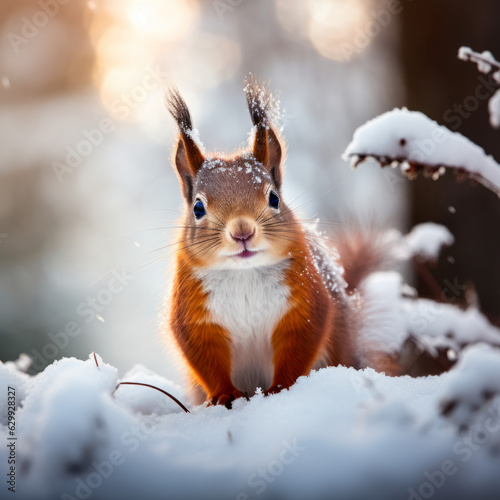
242, 235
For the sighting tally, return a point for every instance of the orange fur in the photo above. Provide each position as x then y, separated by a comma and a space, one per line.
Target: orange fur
205, 345
302, 333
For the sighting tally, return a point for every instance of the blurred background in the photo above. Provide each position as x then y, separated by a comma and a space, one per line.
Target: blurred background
88, 198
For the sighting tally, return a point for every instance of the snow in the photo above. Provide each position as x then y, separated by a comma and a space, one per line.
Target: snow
338, 433
194, 134
486, 63
411, 139
255, 171
393, 315
326, 260
263, 100
494, 108
12, 376
464, 53
386, 324
475, 381
148, 401
444, 325
426, 240
484, 60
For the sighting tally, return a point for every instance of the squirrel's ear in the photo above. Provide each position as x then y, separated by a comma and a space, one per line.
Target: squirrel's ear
268, 150
267, 146
184, 170
188, 157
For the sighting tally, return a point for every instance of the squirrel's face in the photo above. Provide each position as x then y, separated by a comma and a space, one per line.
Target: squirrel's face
235, 217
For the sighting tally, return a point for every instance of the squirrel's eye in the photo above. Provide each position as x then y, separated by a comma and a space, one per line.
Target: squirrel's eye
274, 200
199, 209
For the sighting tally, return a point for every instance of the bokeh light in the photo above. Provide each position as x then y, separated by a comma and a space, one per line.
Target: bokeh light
129, 36
332, 26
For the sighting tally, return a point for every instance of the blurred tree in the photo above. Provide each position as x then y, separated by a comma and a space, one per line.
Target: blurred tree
45, 55
446, 89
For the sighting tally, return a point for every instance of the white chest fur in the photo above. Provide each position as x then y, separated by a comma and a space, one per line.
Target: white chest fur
248, 303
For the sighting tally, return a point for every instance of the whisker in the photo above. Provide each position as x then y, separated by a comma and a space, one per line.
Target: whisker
307, 202
282, 237
295, 199
321, 196
206, 249
283, 212
327, 222
169, 210
157, 260
221, 224
143, 255
326, 249
289, 204
299, 222
164, 227
131, 274
155, 289
307, 235
260, 215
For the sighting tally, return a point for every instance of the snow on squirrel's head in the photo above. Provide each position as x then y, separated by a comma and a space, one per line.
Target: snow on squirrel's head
234, 215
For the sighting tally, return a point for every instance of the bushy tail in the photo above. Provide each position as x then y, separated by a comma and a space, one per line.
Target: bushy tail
362, 253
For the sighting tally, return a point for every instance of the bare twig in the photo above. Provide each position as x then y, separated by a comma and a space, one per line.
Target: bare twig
156, 388
429, 279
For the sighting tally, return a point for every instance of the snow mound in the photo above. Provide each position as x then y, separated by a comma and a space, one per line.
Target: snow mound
338, 433
427, 240
473, 385
394, 314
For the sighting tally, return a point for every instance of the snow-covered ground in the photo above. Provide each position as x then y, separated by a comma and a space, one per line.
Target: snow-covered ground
338, 433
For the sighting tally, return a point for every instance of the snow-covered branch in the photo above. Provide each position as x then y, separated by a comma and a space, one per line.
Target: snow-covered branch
414, 142
486, 63
485, 60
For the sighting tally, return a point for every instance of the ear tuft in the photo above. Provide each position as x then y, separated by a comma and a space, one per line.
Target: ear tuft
178, 109
188, 157
264, 107
264, 110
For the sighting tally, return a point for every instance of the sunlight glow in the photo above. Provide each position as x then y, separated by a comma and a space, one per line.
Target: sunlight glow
335, 27
130, 36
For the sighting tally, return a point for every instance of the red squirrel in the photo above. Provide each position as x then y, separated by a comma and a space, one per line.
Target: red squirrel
257, 298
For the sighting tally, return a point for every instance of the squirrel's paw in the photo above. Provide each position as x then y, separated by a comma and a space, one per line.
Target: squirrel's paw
274, 389
226, 399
